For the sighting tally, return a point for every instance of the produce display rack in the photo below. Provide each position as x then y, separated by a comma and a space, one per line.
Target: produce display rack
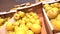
36, 5
50, 27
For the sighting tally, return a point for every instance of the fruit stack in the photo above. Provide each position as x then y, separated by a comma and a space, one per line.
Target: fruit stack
3, 21
25, 23
53, 13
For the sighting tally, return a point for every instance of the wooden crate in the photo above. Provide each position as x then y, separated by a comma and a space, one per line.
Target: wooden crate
37, 8
49, 25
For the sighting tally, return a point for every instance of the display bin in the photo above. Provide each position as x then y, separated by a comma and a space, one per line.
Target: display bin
5, 15
49, 25
37, 8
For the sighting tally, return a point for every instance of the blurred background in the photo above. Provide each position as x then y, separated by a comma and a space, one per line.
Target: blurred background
6, 5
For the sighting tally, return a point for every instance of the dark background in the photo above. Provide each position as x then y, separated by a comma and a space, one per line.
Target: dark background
6, 5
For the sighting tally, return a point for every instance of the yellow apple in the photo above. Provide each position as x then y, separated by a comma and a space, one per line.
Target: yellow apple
16, 16
46, 5
30, 32
58, 17
36, 28
52, 13
22, 14
29, 25
9, 26
56, 25
10, 32
16, 23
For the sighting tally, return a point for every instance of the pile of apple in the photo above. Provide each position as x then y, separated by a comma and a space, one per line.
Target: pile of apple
53, 13
3, 20
25, 23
